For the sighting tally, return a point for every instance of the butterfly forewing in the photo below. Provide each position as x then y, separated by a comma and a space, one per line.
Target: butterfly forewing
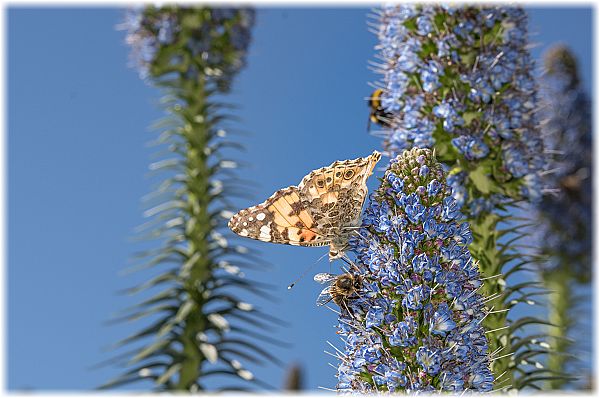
316, 212
279, 219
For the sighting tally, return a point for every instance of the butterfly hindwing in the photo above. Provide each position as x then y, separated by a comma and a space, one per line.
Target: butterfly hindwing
336, 193
280, 219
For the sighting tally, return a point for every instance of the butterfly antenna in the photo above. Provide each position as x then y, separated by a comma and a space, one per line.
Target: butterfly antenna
291, 285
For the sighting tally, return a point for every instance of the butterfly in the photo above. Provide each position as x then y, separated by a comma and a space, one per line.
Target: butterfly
339, 288
322, 210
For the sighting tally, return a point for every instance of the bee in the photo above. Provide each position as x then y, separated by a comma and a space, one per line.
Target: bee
340, 287
378, 114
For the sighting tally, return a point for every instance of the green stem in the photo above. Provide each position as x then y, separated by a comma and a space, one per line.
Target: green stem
197, 230
560, 301
485, 249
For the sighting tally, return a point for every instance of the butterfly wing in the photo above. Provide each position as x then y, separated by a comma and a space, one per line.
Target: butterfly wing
324, 297
313, 213
280, 219
335, 194
324, 277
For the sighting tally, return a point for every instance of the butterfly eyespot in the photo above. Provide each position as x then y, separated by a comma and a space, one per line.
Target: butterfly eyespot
348, 174
329, 179
320, 183
338, 174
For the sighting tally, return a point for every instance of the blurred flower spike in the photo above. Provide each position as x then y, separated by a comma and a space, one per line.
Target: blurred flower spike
200, 333
566, 214
567, 127
206, 41
460, 79
416, 323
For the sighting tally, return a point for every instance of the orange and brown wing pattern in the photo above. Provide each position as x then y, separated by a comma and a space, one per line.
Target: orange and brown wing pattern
343, 174
317, 212
280, 219
335, 194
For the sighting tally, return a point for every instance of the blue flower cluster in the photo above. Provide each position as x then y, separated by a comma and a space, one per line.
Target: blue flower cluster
460, 79
567, 128
416, 323
213, 42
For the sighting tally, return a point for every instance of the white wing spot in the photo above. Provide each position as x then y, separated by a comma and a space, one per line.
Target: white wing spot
244, 232
250, 219
260, 216
265, 232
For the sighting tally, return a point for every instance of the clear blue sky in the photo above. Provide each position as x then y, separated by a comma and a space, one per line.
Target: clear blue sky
77, 163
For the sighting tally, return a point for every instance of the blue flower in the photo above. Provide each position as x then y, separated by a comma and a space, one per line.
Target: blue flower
450, 210
430, 76
374, 316
443, 110
219, 43
429, 359
395, 379
463, 234
486, 103
372, 354
416, 297
420, 263
515, 160
482, 379
407, 56
452, 380
379, 380
433, 187
419, 291
413, 208
442, 322
410, 242
424, 25
395, 182
166, 29
403, 333
471, 147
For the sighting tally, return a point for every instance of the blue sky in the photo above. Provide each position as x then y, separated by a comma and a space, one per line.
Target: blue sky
78, 122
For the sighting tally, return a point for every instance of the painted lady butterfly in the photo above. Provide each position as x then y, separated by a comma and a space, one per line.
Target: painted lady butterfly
320, 211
